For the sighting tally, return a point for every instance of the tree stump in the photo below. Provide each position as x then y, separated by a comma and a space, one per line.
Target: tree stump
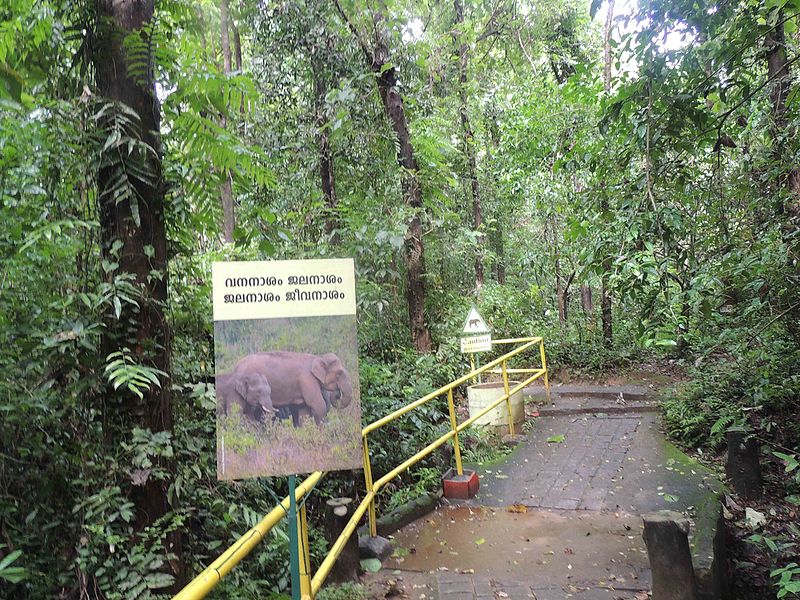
337, 514
743, 467
666, 537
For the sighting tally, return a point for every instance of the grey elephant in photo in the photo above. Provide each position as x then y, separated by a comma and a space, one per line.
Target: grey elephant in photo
251, 392
302, 384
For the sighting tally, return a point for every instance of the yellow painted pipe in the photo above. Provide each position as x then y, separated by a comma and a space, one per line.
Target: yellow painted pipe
208, 579
452, 385
411, 461
327, 564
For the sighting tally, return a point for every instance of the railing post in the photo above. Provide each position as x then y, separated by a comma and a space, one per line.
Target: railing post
544, 366
303, 552
454, 425
373, 521
472, 366
508, 398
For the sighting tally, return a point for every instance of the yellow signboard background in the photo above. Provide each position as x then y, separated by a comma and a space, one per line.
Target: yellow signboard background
284, 288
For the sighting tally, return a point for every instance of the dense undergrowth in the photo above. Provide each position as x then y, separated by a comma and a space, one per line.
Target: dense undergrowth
565, 157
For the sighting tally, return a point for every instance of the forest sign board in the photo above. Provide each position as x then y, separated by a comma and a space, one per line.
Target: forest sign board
286, 367
476, 335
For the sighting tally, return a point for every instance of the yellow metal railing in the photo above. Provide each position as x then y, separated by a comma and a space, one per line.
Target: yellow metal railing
309, 585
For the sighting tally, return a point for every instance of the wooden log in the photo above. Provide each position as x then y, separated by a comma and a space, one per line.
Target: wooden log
742, 466
666, 535
337, 514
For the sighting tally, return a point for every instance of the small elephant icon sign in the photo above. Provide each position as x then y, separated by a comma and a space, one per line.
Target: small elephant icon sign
473, 323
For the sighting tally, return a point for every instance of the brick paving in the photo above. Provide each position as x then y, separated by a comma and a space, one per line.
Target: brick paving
573, 474
455, 586
582, 478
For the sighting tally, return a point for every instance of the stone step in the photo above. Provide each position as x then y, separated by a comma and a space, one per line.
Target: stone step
629, 392
583, 406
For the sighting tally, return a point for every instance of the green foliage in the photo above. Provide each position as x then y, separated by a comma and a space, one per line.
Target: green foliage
791, 466
423, 481
788, 579
10, 572
668, 189
757, 387
481, 445
122, 371
345, 591
388, 386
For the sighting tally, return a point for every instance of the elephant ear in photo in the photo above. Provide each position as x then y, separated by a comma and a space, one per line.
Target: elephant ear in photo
319, 368
240, 386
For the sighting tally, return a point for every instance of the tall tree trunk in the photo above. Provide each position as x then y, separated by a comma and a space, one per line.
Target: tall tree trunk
606, 315
386, 76
500, 266
226, 189
778, 73
788, 211
326, 172
133, 235
562, 295
469, 146
412, 192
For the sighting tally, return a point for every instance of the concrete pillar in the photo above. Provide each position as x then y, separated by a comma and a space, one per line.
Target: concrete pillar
743, 467
666, 535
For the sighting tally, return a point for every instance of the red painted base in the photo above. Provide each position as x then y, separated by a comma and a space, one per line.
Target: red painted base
460, 487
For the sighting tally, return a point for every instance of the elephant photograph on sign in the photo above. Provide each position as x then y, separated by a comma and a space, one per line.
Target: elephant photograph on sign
303, 384
289, 397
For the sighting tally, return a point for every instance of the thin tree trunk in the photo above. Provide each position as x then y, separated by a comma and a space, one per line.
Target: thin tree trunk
326, 172
500, 267
386, 78
133, 235
606, 315
587, 303
562, 295
226, 189
607, 46
469, 147
778, 73
237, 47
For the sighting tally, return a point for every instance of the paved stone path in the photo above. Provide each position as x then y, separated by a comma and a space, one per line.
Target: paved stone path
559, 518
573, 474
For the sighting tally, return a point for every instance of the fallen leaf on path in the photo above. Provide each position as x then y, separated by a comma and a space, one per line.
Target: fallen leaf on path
753, 518
517, 508
480, 541
556, 439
